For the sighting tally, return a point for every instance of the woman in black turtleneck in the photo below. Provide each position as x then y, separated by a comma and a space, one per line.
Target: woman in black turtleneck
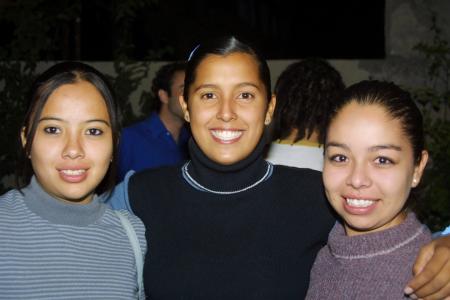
228, 224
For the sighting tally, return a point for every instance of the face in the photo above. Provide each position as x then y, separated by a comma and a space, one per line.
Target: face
369, 168
227, 107
176, 89
72, 147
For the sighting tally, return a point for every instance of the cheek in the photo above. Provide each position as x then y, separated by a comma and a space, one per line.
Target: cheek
396, 185
100, 152
333, 178
200, 117
43, 151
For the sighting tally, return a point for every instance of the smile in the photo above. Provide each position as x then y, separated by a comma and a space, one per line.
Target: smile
359, 202
73, 172
226, 135
73, 175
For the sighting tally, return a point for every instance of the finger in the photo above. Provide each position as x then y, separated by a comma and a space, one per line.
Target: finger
441, 294
424, 256
434, 280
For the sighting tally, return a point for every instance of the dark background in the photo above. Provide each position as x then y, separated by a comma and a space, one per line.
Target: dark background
169, 29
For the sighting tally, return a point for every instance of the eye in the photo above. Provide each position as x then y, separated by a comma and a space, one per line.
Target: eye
52, 130
246, 96
207, 96
382, 160
94, 131
338, 158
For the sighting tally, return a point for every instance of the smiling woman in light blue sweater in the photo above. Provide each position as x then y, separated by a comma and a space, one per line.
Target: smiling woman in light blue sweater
58, 240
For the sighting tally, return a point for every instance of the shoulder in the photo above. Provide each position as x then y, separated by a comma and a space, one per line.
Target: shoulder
113, 219
135, 128
151, 186
152, 177
299, 176
303, 188
10, 200
134, 220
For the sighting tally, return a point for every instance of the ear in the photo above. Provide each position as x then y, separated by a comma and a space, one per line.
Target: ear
23, 137
419, 168
163, 96
270, 110
184, 107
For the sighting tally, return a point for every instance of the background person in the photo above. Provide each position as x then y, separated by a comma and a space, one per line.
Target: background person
161, 139
57, 239
306, 94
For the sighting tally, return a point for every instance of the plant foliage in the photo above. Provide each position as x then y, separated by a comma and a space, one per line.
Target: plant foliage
434, 100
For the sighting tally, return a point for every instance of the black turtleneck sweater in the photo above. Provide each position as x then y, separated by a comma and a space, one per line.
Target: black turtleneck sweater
256, 244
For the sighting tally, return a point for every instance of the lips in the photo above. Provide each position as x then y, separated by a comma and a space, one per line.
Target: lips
226, 136
359, 206
73, 175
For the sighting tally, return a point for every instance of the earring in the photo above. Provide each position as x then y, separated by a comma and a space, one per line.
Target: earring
415, 181
267, 121
186, 117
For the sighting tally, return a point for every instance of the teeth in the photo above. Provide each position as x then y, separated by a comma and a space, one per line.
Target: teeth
226, 135
73, 172
359, 202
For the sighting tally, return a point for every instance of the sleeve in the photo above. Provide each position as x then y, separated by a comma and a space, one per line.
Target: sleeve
118, 199
123, 165
446, 231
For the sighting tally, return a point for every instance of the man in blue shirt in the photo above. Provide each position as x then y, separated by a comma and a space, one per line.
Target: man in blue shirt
161, 139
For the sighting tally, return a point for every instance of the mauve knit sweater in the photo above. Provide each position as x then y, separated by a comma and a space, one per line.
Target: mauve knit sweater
371, 266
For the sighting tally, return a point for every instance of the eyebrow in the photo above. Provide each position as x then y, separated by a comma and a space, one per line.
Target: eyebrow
387, 146
211, 85
371, 149
61, 120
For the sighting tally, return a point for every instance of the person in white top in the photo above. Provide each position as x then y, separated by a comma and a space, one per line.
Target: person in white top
306, 93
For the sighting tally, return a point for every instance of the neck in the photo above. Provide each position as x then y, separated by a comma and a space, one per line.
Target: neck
61, 212
246, 173
172, 122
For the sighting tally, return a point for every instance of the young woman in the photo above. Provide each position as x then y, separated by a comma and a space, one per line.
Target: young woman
58, 240
374, 156
228, 224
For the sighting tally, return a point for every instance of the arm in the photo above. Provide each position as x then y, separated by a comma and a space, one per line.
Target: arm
432, 271
118, 199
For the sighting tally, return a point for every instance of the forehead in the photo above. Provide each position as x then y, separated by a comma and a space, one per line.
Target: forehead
75, 98
235, 65
366, 124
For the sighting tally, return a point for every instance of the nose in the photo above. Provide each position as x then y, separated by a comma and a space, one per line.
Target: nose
359, 176
73, 148
226, 111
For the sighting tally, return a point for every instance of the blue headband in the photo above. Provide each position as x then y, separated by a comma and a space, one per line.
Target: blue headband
192, 52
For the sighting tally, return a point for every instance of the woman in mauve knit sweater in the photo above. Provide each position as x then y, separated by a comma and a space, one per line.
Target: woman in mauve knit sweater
374, 156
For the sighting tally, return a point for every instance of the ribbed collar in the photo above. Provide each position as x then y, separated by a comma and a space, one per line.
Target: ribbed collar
219, 177
376, 243
58, 212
